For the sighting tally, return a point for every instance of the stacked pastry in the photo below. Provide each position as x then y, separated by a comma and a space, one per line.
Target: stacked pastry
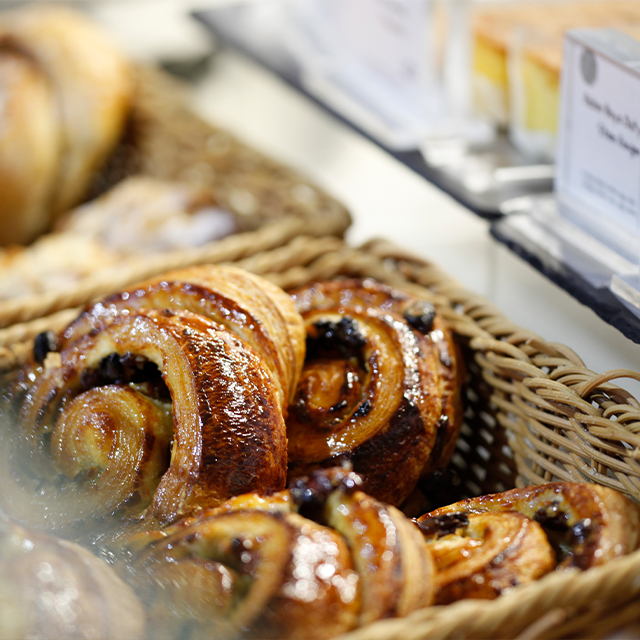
310, 562
162, 425
165, 400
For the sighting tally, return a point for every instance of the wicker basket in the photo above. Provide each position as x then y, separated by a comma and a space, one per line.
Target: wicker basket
534, 413
164, 139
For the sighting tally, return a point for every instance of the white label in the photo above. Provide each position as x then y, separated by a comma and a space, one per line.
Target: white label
387, 37
599, 150
380, 48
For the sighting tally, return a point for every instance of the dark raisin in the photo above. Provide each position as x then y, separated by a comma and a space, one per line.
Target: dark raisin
443, 525
111, 369
363, 409
552, 518
310, 493
44, 343
420, 315
340, 337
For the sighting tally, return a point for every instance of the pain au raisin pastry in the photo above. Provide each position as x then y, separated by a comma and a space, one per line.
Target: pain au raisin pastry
149, 413
480, 544
311, 562
380, 386
252, 308
482, 555
66, 95
52, 589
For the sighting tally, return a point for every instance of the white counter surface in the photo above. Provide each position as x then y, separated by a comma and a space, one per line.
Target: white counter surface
385, 198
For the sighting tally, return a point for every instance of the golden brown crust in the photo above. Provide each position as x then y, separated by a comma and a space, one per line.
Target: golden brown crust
588, 523
228, 433
483, 555
396, 571
249, 306
272, 574
380, 387
310, 562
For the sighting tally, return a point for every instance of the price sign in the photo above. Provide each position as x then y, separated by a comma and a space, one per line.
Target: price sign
378, 53
599, 145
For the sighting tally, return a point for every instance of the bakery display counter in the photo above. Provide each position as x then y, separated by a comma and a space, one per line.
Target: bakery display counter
285, 432
483, 172
388, 199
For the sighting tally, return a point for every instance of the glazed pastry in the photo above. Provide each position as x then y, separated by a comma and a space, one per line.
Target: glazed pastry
380, 386
312, 562
68, 94
249, 306
395, 570
271, 574
52, 589
587, 524
154, 414
482, 555
144, 415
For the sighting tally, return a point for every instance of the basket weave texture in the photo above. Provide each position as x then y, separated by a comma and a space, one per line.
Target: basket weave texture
533, 414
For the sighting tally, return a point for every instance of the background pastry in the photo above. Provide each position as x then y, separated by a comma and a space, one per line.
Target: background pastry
69, 93
380, 386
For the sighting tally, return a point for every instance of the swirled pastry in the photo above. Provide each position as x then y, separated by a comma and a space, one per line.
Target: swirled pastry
145, 413
482, 555
68, 92
311, 562
587, 524
52, 589
380, 386
249, 306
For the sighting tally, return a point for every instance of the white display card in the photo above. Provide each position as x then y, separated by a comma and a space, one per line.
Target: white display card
598, 161
377, 53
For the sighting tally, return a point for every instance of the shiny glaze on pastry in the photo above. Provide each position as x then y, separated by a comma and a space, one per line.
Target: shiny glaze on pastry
86, 457
380, 386
249, 306
311, 562
395, 570
482, 555
266, 574
52, 589
587, 524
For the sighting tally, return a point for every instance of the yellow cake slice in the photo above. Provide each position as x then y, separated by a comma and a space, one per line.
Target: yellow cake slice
517, 59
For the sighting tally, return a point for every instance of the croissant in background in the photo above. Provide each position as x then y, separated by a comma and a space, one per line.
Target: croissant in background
52, 589
311, 562
149, 410
66, 95
380, 386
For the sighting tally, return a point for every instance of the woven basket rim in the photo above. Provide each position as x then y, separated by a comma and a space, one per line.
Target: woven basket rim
531, 381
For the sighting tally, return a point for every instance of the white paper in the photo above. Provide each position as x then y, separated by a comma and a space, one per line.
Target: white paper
599, 149
374, 60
